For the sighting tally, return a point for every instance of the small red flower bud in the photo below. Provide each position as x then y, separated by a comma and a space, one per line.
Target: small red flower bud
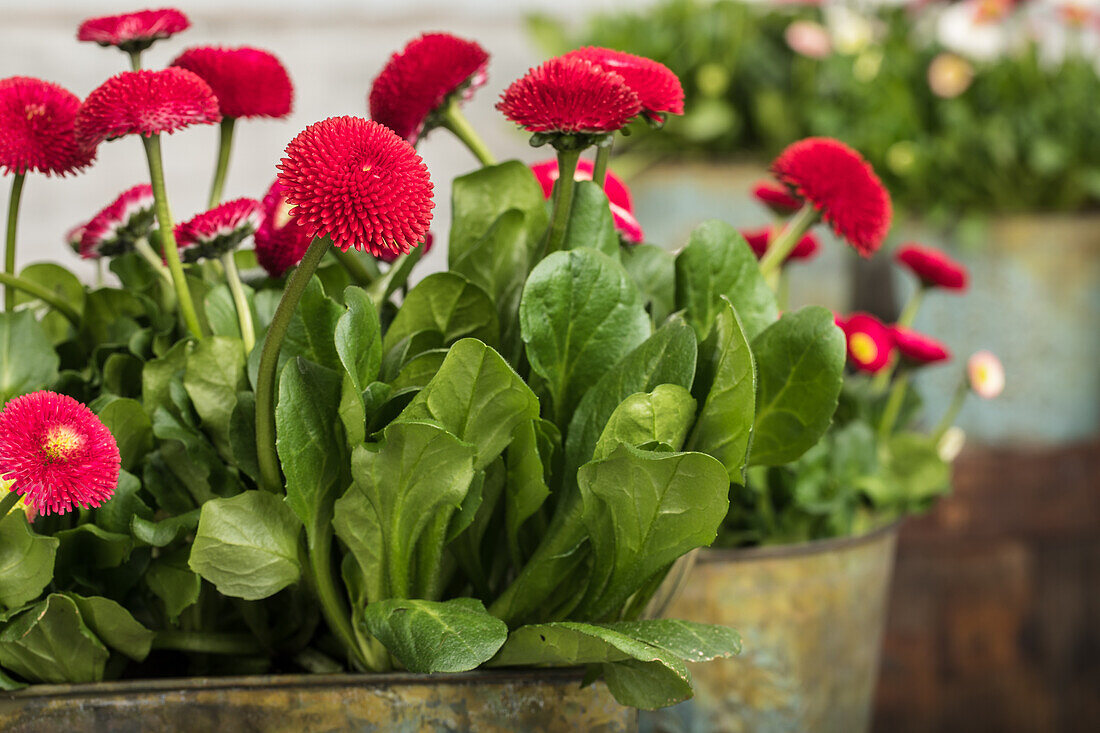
933, 267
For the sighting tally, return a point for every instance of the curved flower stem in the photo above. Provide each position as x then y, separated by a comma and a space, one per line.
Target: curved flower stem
563, 200
270, 475
240, 300
395, 277
953, 410
355, 268
9, 244
785, 243
603, 156
135, 60
451, 117
12, 283
905, 320
8, 503
893, 407
207, 642
168, 235
143, 248
225, 145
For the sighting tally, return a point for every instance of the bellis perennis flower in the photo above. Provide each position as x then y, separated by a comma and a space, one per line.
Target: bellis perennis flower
356, 182
133, 32
146, 103
934, 268
985, 374
118, 227
248, 82
758, 239
776, 198
421, 79
841, 185
916, 348
56, 453
659, 90
280, 240
870, 342
37, 121
213, 233
618, 195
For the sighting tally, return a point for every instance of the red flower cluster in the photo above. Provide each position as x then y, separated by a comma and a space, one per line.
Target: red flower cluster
280, 240
145, 103
659, 90
842, 186
933, 267
917, 349
570, 95
776, 198
37, 121
213, 233
133, 32
115, 229
358, 183
56, 453
870, 341
758, 239
419, 80
248, 82
618, 195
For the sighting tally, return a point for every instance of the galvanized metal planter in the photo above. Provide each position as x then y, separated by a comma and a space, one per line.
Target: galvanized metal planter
547, 701
811, 617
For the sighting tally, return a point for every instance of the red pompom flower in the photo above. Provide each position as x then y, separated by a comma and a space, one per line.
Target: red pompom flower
213, 233
37, 121
570, 95
115, 229
659, 90
776, 198
56, 453
870, 342
758, 240
358, 183
841, 185
133, 32
916, 348
934, 268
146, 103
280, 240
248, 82
424, 77
618, 195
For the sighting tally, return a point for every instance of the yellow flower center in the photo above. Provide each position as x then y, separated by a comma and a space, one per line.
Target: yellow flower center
282, 214
61, 442
863, 347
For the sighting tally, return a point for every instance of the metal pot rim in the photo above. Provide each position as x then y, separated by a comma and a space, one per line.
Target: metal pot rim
797, 549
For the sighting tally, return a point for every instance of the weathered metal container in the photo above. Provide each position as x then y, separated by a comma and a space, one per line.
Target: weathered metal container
811, 617
546, 701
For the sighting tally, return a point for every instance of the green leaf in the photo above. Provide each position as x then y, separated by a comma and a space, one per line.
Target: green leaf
172, 581
526, 488
114, 626
353, 412
221, 310
359, 338
115, 515
356, 524
725, 383
653, 270
419, 370
131, 428
50, 643
643, 510
26, 560
122, 375
87, 546
242, 435
661, 416
430, 636
800, 370
579, 315
448, 304
910, 473
479, 198
27, 358
688, 640
247, 546
166, 531
310, 444
213, 375
310, 333
590, 221
717, 262
477, 397
158, 374
418, 473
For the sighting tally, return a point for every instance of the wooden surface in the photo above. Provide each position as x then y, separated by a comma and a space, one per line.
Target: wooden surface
994, 620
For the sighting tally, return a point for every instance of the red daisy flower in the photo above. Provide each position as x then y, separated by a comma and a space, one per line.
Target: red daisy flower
358, 183
146, 103
842, 186
56, 453
916, 348
133, 32
933, 267
248, 82
658, 89
569, 95
209, 235
870, 342
115, 229
776, 198
36, 128
758, 240
422, 78
280, 240
618, 195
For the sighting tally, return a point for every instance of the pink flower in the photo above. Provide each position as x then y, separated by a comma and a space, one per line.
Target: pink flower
933, 267
280, 241
618, 195
133, 32
248, 82
917, 349
986, 374
759, 239
37, 121
220, 230
115, 229
870, 341
658, 89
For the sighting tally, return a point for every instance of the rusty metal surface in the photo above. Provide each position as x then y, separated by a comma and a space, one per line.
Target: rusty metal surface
811, 617
549, 702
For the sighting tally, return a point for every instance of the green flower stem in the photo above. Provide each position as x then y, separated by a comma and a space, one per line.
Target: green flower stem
135, 60
225, 145
8, 503
395, 277
168, 235
9, 244
905, 320
240, 300
207, 642
143, 248
787, 240
451, 118
270, 475
953, 410
12, 283
563, 199
603, 156
893, 407
355, 268
333, 607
